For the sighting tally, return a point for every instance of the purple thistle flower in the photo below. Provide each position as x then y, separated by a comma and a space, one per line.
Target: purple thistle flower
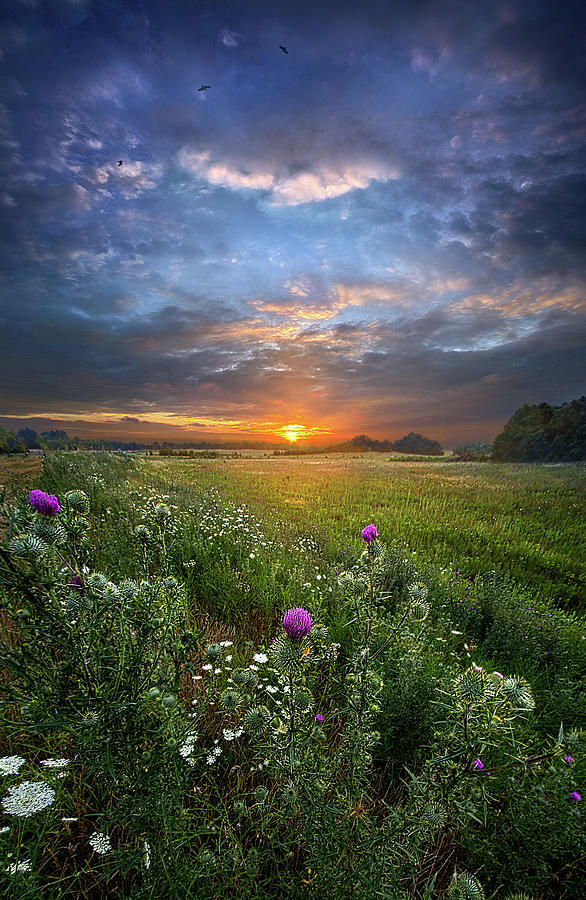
45, 504
575, 796
369, 534
478, 764
297, 623
76, 584
568, 759
319, 718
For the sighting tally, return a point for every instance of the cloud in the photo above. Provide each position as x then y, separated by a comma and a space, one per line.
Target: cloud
229, 38
322, 183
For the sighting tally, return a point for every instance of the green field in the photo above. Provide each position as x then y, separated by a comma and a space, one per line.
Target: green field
526, 520
164, 733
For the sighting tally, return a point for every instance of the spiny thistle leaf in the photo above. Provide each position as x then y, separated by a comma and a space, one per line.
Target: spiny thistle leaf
78, 501
142, 534
302, 700
257, 720
128, 589
518, 692
213, 651
418, 591
434, 814
466, 887
289, 656
50, 532
470, 685
420, 610
230, 699
29, 546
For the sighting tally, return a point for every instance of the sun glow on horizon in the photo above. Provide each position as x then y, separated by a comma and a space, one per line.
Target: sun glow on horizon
292, 432
295, 431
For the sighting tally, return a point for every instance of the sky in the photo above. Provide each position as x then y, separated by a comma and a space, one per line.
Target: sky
381, 230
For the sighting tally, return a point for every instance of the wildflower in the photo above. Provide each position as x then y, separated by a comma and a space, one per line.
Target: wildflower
297, 623
55, 763
260, 658
146, 847
568, 759
207, 668
187, 748
4, 830
213, 755
17, 868
45, 504
76, 584
319, 718
100, 843
9, 765
575, 796
498, 674
369, 534
478, 764
28, 798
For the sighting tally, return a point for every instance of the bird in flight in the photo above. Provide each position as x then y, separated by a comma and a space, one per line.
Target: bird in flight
120, 162
284, 49
204, 87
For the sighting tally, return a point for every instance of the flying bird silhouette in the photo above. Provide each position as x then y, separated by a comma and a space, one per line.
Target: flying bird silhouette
284, 49
204, 87
120, 162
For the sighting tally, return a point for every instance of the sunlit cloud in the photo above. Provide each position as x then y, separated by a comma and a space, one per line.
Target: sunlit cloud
319, 183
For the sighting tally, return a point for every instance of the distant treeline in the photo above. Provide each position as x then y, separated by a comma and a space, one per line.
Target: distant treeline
544, 433
27, 439
412, 443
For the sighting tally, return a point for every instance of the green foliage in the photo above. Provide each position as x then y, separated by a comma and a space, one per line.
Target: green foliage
543, 432
217, 757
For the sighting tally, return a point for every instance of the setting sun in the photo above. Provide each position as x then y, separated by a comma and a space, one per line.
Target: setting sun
291, 432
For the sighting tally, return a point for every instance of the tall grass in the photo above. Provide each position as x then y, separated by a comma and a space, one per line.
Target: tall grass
407, 745
527, 520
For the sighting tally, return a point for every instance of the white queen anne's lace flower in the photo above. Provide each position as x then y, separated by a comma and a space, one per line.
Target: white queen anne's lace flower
260, 658
9, 765
187, 748
19, 867
28, 798
100, 842
55, 763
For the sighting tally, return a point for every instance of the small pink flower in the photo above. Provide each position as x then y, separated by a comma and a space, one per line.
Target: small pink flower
575, 796
319, 718
568, 759
478, 764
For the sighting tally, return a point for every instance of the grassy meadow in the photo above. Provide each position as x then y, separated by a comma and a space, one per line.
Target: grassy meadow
212, 684
526, 520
